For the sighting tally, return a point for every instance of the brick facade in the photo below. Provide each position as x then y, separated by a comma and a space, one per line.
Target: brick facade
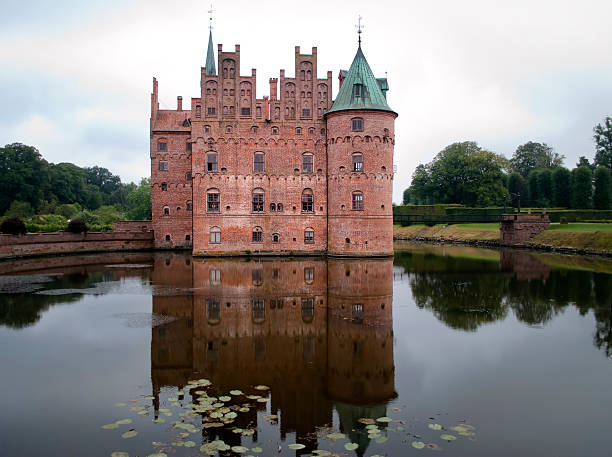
235, 165
518, 228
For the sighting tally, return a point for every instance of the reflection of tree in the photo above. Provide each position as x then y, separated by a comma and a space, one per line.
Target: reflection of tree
349, 415
461, 301
603, 312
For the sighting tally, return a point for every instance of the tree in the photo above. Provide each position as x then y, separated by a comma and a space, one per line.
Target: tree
531, 156
532, 188
420, 186
602, 196
561, 187
602, 134
139, 201
19, 209
582, 187
68, 183
545, 188
584, 161
406, 197
517, 186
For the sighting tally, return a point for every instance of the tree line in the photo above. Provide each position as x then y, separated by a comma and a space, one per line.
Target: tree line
467, 174
29, 186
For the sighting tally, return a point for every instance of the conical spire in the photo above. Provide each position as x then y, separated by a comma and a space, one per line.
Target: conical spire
361, 89
211, 69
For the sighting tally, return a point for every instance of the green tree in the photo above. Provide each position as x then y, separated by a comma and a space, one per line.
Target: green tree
406, 197
602, 134
139, 201
517, 186
19, 209
531, 156
23, 175
584, 161
532, 188
68, 183
561, 187
582, 187
602, 196
545, 188
420, 186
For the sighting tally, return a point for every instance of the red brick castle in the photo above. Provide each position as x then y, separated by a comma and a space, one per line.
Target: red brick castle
294, 172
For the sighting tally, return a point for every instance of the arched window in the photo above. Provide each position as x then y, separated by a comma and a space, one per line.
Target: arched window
213, 309
272, 207
307, 309
309, 236
307, 201
254, 129
259, 162
215, 235
207, 128
309, 275
198, 111
167, 239
164, 186
274, 130
357, 161
257, 235
213, 201
211, 162
166, 211
189, 205
311, 131
275, 237
298, 130
228, 129
357, 200
307, 163
279, 207
357, 124
258, 200
162, 146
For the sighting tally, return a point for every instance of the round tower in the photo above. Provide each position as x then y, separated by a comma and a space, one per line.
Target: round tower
360, 141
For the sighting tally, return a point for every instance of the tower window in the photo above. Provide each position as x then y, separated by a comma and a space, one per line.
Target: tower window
307, 163
358, 90
167, 237
189, 206
166, 211
189, 146
357, 162
305, 112
164, 186
257, 235
163, 166
298, 130
211, 162
258, 201
357, 201
307, 201
274, 130
258, 163
275, 238
215, 235
272, 207
245, 111
212, 201
309, 236
357, 125
211, 111
198, 111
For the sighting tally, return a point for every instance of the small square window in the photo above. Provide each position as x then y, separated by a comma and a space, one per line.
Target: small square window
163, 166
257, 238
245, 111
357, 125
309, 236
164, 186
305, 112
161, 146
188, 176
211, 110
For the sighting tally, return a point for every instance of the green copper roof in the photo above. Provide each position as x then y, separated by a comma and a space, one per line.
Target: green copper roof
210, 58
360, 89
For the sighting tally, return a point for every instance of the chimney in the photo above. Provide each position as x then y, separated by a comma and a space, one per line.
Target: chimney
273, 88
179, 103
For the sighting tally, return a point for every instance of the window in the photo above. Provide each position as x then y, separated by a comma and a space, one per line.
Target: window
167, 237
307, 163
274, 130
309, 236
245, 111
163, 166
305, 112
257, 236
189, 206
357, 313
357, 162
213, 307
166, 211
259, 310
309, 275
257, 277
298, 130
188, 176
211, 162
307, 309
215, 235
198, 112
275, 238
358, 90
357, 201
258, 163
211, 111
357, 125
188, 146
307, 201
212, 201
272, 207
164, 186
187, 238
322, 131
254, 129
311, 131
215, 278
207, 128
258, 201
228, 129
279, 207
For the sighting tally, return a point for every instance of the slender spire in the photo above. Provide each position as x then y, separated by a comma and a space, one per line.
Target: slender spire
211, 69
359, 31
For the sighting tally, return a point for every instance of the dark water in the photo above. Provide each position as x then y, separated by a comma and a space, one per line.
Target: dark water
507, 352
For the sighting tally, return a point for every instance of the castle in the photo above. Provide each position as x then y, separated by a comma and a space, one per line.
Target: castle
292, 173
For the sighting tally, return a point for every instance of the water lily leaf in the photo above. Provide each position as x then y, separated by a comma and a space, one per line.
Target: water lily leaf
434, 447
244, 409
260, 387
240, 449
296, 446
110, 426
257, 449
384, 419
120, 404
158, 454
248, 432
120, 454
418, 444
322, 452
142, 413
137, 408
371, 427
351, 446
381, 439
336, 436
236, 392
366, 420
212, 424
149, 397
190, 444
253, 397
225, 398
216, 415
466, 433
435, 426
124, 421
218, 405
448, 437
129, 434
157, 443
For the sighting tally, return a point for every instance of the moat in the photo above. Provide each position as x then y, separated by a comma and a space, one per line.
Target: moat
464, 351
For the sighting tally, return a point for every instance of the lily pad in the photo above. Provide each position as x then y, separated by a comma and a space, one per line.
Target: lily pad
231, 415
262, 400
296, 446
257, 450
336, 436
236, 392
216, 415
351, 446
381, 439
212, 424
244, 409
253, 397
371, 427
321, 452
435, 426
260, 387
189, 444
448, 437
366, 420
120, 404
240, 449
384, 419
120, 454
418, 444
124, 421
110, 426
225, 398
158, 454
129, 434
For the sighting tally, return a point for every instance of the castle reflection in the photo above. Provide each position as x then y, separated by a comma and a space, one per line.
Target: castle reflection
318, 332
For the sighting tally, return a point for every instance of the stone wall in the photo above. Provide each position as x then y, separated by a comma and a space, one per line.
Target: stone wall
132, 226
33, 244
518, 228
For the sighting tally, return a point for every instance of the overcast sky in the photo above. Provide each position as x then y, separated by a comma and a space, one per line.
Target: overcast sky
75, 76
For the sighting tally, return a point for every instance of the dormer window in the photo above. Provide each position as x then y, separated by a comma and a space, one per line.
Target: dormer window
358, 91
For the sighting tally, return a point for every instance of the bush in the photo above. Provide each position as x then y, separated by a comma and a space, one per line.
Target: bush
13, 226
77, 226
69, 209
563, 220
88, 217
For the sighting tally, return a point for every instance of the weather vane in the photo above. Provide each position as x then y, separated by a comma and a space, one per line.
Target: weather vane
210, 12
359, 30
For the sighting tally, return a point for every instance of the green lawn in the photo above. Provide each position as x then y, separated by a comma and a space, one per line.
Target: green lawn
581, 228
482, 226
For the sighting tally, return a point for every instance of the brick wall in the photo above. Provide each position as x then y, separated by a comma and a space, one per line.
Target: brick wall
132, 226
518, 228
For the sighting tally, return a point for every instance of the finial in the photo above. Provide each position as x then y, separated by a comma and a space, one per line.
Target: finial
210, 12
359, 30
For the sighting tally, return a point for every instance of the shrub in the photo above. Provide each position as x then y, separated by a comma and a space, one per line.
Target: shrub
77, 226
430, 224
13, 226
563, 220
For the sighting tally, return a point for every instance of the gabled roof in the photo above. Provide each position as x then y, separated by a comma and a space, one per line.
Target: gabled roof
211, 69
370, 96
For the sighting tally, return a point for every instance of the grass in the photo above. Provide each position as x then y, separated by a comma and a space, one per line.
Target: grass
581, 228
480, 226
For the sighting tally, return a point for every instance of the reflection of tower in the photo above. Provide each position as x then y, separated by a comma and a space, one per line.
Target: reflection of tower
524, 265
